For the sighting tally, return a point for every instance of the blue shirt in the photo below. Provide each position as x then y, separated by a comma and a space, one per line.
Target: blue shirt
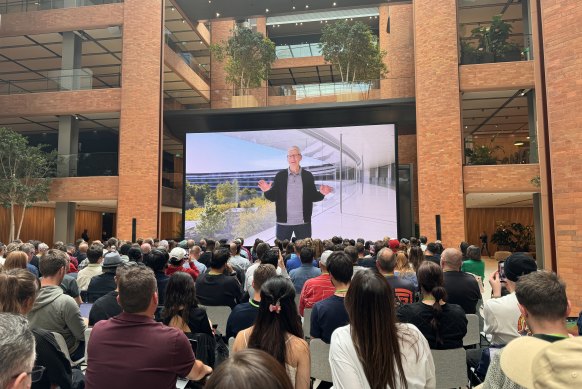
32, 269
294, 262
242, 317
328, 315
302, 274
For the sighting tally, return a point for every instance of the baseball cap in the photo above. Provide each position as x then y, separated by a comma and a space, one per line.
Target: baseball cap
324, 256
531, 362
394, 244
519, 264
183, 244
112, 259
178, 253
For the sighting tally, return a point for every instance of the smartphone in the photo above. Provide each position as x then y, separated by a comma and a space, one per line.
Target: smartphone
194, 345
501, 269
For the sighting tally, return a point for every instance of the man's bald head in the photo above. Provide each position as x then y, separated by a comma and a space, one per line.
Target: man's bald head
233, 248
146, 248
451, 259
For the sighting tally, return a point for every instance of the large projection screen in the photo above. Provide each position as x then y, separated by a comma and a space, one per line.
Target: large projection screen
222, 170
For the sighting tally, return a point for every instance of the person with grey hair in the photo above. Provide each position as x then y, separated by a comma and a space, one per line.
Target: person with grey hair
28, 249
17, 353
294, 193
462, 288
474, 264
2, 250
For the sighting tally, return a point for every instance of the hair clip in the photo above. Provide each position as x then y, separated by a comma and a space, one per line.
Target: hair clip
275, 308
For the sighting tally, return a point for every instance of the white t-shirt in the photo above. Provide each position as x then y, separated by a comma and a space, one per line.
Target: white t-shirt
501, 317
347, 370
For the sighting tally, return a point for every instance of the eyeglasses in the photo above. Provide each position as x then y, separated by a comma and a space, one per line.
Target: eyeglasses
35, 374
293, 156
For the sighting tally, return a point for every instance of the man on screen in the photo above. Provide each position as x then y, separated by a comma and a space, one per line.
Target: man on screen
294, 193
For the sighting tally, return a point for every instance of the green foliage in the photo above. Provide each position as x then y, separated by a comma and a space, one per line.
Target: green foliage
484, 154
249, 56
514, 237
196, 193
226, 192
492, 43
212, 220
25, 174
353, 50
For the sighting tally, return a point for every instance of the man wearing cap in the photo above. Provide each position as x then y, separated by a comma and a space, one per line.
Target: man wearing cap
177, 261
501, 314
544, 305
104, 283
317, 288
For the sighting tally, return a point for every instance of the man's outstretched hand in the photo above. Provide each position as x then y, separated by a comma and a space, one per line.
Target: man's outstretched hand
264, 185
325, 189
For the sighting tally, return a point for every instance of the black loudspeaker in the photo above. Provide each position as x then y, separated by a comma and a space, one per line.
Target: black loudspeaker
437, 220
133, 227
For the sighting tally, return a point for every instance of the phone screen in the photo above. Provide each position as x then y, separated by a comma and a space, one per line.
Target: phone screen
501, 269
194, 345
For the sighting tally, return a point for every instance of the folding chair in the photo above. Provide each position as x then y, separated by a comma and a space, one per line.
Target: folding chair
218, 316
306, 322
320, 368
87, 336
230, 344
450, 368
472, 338
63, 346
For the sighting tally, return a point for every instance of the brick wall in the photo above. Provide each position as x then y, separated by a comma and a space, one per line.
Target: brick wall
500, 178
84, 188
221, 92
140, 122
438, 121
496, 76
563, 71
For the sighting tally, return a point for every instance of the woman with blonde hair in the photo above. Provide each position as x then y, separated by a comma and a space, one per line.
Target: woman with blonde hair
404, 270
15, 260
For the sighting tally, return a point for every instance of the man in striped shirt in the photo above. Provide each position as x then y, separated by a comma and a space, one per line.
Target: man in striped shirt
318, 288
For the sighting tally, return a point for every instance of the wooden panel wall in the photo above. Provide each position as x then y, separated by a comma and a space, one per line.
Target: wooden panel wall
171, 225
485, 219
92, 221
39, 224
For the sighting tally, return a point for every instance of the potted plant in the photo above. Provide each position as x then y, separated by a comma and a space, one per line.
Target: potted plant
354, 51
483, 154
503, 236
469, 54
493, 41
249, 56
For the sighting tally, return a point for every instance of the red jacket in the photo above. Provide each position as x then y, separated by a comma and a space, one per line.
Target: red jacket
193, 271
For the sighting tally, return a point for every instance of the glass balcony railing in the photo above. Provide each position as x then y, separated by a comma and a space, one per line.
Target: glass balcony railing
63, 80
298, 50
16, 6
304, 91
500, 150
88, 164
179, 48
473, 52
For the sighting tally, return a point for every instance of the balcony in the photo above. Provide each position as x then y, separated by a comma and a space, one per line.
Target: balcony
17, 6
191, 57
88, 164
298, 50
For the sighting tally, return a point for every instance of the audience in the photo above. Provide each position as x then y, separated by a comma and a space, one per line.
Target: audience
244, 314
154, 355
403, 289
415, 257
305, 271
542, 300
403, 268
277, 330
443, 324
16, 260
104, 283
317, 288
374, 351
18, 289
17, 353
157, 260
462, 288
177, 261
194, 259
330, 313
55, 311
207, 246
95, 257
236, 259
474, 264
249, 369
215, 288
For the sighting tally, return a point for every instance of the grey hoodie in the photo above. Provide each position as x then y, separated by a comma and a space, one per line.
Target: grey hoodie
56, 312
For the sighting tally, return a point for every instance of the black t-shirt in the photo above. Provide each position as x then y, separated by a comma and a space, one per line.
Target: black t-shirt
242, 316
404, 289
205, 258
197, 321
328, 315
462, 289
104, 308
452, 323
369, 262
218, 290
48, 354
162, 281
433, 258
100, 285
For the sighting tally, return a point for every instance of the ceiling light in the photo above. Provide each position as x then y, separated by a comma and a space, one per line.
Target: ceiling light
183, 21
518, 143
306, 5
293, 7
217, 15
173, 9
466, 127
527, 137
334, 4
267, 10
301, 24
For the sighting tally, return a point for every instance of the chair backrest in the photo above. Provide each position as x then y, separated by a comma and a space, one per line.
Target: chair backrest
87, 336
65, 349
472, 337
450, 368
404, 295
320, 368
218, 316
306, 322
501, 255
230, 344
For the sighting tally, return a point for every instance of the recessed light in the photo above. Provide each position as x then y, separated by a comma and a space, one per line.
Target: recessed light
217, 15
301, 24
334, 4
173, 9
267, 10
518, 143
466, 127
306, 5
183, 21
527, 137
293, 7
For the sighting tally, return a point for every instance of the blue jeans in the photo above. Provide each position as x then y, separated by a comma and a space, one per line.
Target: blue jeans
302, 231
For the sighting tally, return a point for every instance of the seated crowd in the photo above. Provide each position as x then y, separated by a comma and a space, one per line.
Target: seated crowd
146, 309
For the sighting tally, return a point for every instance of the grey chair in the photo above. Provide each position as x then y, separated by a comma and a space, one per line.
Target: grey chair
87, 337
320, 369
63, 347
306, 322
472, 337
450, 368
218, 316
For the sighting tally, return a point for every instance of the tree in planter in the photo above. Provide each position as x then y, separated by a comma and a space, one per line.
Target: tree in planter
484, 154
353, 50
249, 56
25, 175
493, 39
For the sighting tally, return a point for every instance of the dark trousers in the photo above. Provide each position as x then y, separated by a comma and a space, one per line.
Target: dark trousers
302, 231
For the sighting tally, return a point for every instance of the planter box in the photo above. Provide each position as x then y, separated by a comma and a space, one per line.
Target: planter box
244, 101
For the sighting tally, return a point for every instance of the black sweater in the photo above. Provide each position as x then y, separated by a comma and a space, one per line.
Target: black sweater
278, 194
